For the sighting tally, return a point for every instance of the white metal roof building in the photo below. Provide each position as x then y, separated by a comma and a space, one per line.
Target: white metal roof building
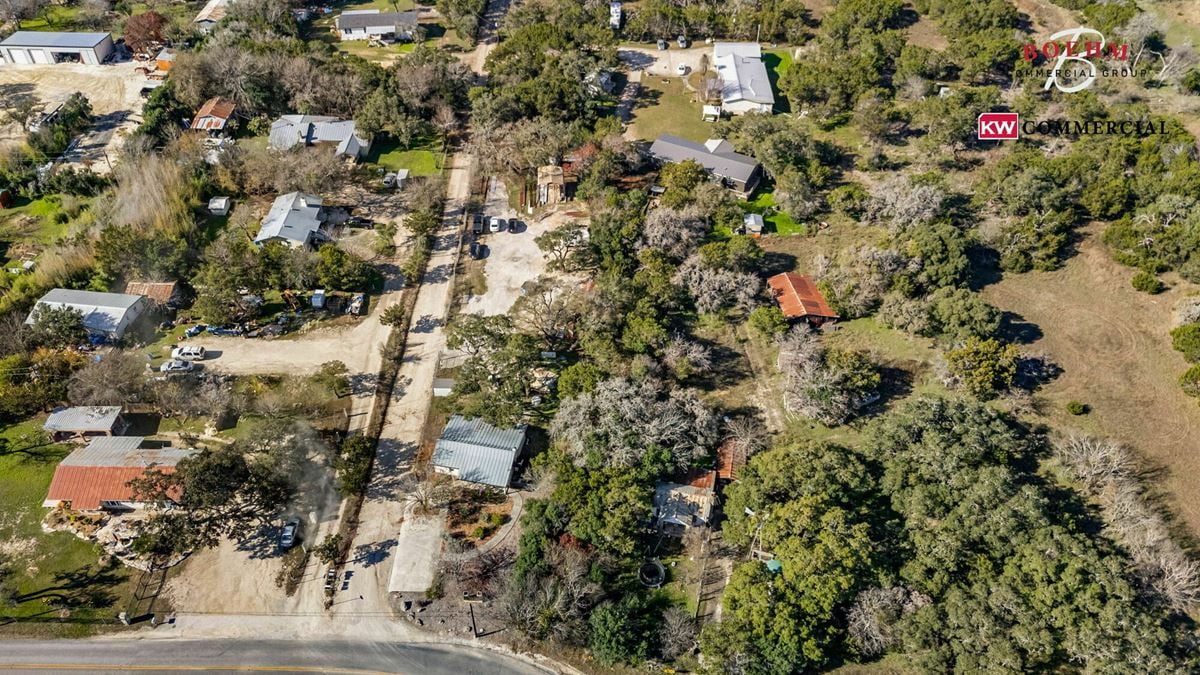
294, 219
32, 46
107, 314
745, 84
291, 130
473, 450
85, 421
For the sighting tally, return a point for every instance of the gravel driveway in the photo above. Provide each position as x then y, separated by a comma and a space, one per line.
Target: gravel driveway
513, 257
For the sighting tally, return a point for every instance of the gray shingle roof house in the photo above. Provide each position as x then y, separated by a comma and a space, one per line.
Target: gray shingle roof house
290, 131
294, 219
745, 85
472, 450
107, 314
737, 172
35, 46
85, 422
364, 24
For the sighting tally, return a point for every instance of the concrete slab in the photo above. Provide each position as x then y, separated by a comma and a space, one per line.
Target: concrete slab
415, 556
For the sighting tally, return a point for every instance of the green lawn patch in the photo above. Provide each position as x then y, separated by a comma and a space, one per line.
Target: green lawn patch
61, 590
776, 221
56, 17
48, 227
422, 160
777, 62
668, 107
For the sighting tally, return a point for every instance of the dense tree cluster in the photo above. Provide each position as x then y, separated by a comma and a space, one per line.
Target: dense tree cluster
771, 20
950, 476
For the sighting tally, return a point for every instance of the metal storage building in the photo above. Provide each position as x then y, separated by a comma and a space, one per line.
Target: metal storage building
31, 46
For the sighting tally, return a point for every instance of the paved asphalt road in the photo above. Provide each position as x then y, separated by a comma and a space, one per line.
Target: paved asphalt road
276, 656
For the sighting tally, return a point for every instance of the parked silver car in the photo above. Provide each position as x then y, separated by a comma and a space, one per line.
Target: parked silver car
176, 366
290, 533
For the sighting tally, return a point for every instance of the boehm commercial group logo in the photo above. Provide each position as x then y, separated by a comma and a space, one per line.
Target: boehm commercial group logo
1072, 59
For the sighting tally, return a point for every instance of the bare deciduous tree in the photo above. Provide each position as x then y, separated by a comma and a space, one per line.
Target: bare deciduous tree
1187, 311
119, 378
747, 436
1108, 472
677, 635
901, 204
685, 357
678, 233
873, 614
553, 606
716, 289
1141, 30
429, 495
1175, 61
623, 420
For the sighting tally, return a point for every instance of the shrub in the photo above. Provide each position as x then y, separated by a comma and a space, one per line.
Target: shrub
1077, 408
479, 532
983, 368
1186, 339
1191, 82
394, 315
769, 321
849, 199
1190, 381
1147, 283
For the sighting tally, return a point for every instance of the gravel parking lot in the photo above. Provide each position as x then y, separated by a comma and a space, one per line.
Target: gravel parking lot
513, 257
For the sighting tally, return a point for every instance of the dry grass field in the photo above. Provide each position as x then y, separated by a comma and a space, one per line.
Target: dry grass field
1113, 345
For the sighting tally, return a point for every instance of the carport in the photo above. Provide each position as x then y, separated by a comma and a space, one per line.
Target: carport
29, 46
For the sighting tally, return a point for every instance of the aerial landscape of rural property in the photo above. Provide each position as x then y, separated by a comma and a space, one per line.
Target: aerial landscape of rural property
732, 337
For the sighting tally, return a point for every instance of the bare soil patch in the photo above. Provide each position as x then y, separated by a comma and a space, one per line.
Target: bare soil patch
1114, 346
113, 90
1046, 17
925, 33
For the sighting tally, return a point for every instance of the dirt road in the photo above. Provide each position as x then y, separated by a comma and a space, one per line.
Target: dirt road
371, 564
370, 567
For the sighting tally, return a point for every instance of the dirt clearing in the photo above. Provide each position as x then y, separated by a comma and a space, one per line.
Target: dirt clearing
1114, 346
113, 90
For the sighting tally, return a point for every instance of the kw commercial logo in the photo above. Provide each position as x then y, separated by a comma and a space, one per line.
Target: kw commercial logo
1005, 126
1068, 60
996, 126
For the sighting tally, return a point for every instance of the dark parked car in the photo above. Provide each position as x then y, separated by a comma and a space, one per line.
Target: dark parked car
474, 250
477, 223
